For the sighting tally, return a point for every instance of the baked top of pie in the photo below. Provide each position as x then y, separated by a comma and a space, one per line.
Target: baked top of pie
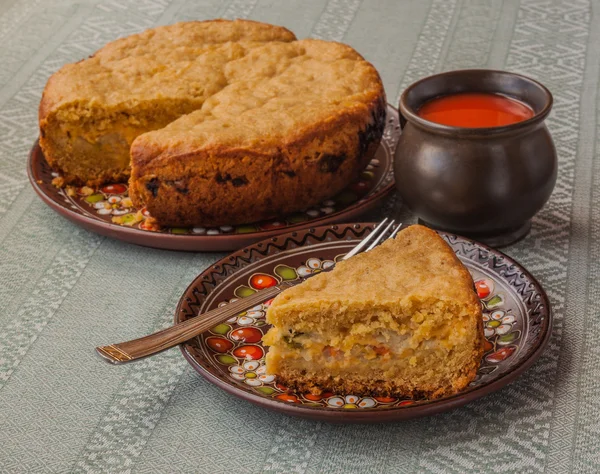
275, 94
402, 320
184, 60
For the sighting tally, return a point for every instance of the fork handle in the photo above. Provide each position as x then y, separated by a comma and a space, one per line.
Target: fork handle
136, 349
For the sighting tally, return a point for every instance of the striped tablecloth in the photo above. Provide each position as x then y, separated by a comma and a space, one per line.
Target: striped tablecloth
64, 290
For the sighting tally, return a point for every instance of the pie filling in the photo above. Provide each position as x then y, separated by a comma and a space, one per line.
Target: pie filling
417, 350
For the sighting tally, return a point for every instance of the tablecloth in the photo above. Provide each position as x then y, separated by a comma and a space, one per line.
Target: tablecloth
64, 290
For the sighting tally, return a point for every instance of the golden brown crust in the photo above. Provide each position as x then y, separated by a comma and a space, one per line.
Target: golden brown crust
295, 380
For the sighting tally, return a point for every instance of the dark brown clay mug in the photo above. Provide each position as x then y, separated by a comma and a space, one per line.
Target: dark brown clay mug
484, 183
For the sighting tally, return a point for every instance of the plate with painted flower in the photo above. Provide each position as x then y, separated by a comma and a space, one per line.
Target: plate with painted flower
108, 210
515, 310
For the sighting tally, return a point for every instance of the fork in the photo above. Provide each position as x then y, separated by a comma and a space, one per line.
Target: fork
136, 349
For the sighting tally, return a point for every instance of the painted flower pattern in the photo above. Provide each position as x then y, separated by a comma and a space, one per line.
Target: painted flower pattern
111, 199
314, 265
114, 205
258, 281
351, 401
497, 322
499, 328
251, 372
250, 317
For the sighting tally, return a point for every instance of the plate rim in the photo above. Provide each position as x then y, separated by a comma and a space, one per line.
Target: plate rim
383, 414
198, 243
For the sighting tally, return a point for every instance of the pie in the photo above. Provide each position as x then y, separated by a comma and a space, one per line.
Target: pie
402, 320
215, 122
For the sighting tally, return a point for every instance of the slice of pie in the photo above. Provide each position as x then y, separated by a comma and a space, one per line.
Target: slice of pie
402, 320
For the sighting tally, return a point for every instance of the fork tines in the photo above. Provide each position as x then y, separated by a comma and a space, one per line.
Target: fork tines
376, 236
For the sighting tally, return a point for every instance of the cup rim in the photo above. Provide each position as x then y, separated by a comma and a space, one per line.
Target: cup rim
410, 115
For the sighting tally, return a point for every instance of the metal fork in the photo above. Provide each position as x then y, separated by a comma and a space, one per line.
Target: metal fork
159, 341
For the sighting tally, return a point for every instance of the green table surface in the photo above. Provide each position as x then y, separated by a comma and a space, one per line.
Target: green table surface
64, 290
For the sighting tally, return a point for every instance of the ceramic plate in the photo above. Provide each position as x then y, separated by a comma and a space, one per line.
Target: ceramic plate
516, 316
109, 211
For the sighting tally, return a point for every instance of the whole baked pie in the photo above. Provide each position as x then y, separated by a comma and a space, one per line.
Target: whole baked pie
215, 122
402, 320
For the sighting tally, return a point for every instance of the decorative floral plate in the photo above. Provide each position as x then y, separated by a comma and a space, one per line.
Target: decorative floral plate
109, 211
516, 315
